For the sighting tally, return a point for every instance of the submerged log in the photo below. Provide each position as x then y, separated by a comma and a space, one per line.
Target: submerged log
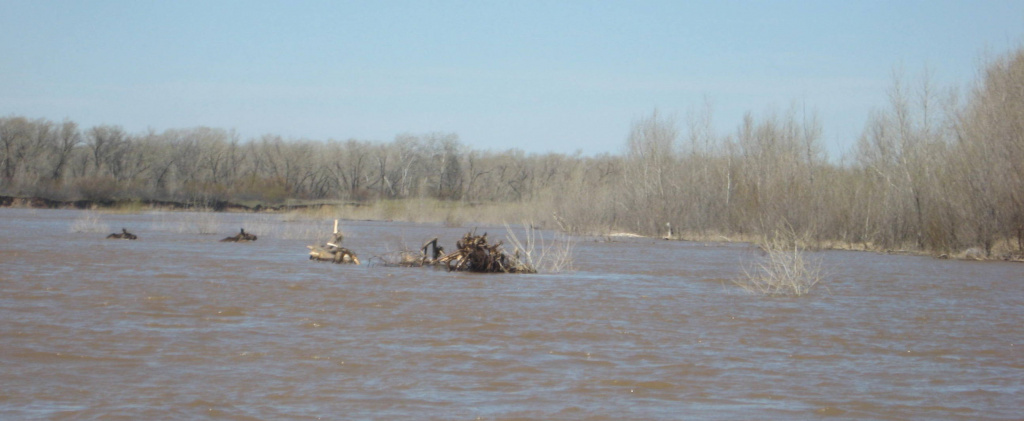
242, 236
123, 235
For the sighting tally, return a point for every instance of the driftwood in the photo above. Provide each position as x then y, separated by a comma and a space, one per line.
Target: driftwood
429, 255
123, 235
332, 251
436, 251
336, 255
242, 236
474, 254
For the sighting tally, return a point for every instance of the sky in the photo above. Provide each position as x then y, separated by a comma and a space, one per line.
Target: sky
539, 76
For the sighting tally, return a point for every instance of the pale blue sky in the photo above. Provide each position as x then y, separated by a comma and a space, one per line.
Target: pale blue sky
535, 75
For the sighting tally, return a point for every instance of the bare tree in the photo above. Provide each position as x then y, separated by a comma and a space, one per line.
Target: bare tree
105, 143
68, 138
16, 144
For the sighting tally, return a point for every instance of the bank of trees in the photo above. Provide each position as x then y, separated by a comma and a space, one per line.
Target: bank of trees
59, 160
930, 172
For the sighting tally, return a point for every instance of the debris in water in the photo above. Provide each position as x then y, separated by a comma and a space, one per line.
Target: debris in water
332, 251
241, 237
123, 235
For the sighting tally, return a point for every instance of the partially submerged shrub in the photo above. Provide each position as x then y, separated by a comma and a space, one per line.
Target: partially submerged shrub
203, 222
552, 256
89, 222
784, 271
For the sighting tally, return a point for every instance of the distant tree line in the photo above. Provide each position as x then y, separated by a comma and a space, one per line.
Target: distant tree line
928, 172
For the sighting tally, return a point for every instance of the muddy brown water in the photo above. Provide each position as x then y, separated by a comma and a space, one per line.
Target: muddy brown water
177, 325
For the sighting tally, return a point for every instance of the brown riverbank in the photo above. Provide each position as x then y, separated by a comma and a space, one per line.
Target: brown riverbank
85, 204
458, 214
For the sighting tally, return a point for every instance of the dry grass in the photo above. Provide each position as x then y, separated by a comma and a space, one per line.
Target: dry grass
418, 210
89, 222
1007, 249
125, 207
409, 210
784, 271
202, 221
289, 225
423, 210
316, 213
713, 236
315, 226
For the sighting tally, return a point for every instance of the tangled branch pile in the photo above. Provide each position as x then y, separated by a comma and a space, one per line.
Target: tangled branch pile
474, 254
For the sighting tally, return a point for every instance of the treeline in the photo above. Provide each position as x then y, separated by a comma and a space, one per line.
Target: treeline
928, 173
205, 165
931, 172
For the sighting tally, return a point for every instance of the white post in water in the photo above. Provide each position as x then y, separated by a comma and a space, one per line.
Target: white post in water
335, 226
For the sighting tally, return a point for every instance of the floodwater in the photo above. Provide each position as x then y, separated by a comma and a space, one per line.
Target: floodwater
177, 325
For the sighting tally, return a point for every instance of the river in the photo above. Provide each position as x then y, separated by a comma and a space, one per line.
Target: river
177, 325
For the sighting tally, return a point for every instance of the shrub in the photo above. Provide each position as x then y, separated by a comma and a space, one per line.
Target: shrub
89, 221
552, 255
783, 271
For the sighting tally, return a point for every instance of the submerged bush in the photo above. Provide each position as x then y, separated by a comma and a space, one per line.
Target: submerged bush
783, 271
544, 255
89, 222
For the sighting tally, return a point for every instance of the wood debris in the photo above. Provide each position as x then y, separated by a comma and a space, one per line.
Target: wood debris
475, 254
241, 237
332, 251
123, 235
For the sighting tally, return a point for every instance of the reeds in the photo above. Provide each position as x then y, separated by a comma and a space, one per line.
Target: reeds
201, 221
427, 210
